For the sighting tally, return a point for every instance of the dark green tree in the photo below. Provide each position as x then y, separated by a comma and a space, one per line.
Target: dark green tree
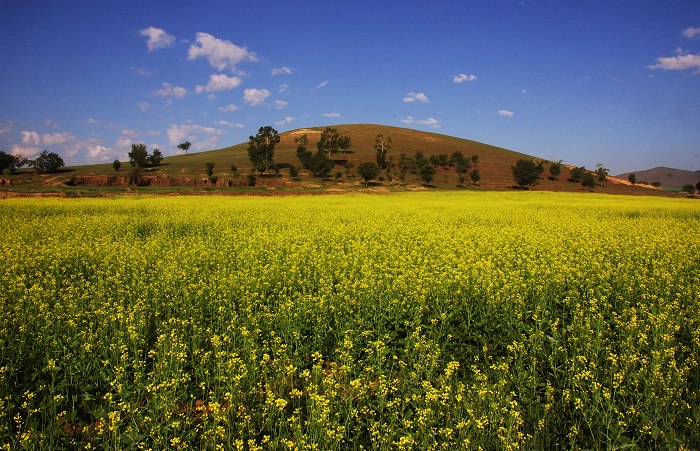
261, 148
587, 180
138, 157
47, 162
368, 171
210, 169
382, 146
601, 173
303, 154
690, 189
116, 164
577, 174
632, 178
525, 173
156, 157
320, 165
697, 186
475, 176
555, 169
11, 163
332, 142
427, 173
185, 146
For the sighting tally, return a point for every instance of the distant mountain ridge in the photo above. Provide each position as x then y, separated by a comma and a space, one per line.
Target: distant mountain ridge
668, 177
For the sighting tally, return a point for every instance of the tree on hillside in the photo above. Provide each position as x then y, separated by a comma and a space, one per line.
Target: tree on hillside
525, 173
427, 172
697, 186
11, 163
475, 176
116, 164
332, 142
261, 148
320, 165
47, 162
156, 157
577, 174
601, 173
138, 157
303, 154
587, 180
555, 169
690, 189
185, 146
210, 169
368, 171
632, 178
382, 146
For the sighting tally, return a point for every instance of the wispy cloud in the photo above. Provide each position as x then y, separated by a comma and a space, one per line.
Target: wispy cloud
429, 122
691, 32
505, 113
230, 108
682, 61
331, 115
461, 78
142, 71
284, 87
143, 106
157, 38
279, 104
48, 139
523, 91
254, 97
285, 121
194, 133
416, 96
220, 53
169, 90
229, 124
321, 85
219, 82
284, 70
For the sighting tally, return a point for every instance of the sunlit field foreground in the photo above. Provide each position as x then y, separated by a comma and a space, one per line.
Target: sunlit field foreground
409, 321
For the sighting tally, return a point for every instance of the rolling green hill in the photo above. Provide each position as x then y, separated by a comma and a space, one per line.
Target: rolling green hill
189, 171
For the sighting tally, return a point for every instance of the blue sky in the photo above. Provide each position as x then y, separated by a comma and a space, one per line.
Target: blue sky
612, 82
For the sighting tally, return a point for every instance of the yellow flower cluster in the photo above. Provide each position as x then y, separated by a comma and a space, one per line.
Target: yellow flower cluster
485, 320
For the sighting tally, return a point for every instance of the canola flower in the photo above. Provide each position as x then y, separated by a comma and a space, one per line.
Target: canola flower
411, 321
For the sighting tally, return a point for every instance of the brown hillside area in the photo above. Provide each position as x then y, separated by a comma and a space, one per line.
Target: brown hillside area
186, 173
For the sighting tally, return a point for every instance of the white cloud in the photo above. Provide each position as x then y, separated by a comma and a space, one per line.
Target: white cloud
33, 138
284, 87
220, 53
255, 97
230, 108
461, 78
157, 38
219, 82
142, 71
92, 121
331, 114
691, 32
99, 153
416, 96
25, 151
143, 106
283, 71
279, 104
430, 122
229, 124
523, 91
323, 84
505, 113
169, 90
192, 132
683, 60
286, 120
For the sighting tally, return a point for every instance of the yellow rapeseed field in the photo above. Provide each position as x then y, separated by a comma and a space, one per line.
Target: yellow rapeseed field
493, 320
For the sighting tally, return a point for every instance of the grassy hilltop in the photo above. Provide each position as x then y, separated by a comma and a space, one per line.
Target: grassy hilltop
494, 165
